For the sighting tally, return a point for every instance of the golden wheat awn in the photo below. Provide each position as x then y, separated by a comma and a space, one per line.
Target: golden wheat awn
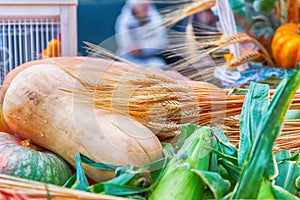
245, 58
183, 9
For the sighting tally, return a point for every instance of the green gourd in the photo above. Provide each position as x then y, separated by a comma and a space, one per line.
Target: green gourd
21, 159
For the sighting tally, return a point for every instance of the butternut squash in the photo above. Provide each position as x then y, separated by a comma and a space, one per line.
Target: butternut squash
36, 107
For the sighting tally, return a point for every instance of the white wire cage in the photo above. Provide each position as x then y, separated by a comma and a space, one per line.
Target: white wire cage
27, 27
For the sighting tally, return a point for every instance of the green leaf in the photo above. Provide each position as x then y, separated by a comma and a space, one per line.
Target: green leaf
71, 181
289, 171
217, 185
262, 29
213, 164
223, 156
267, 132
207, 194
271, 171
265, 6
186, 131
179, 183
168, 150
266, 190
225, 175
224, 144
237, 91
97, 165
193, 154
255, 106
121, 190
280, 193
270, 191
195, 149
298, 182
155, 168
285, 155
118, 186
292, 115
233, 170
81, 182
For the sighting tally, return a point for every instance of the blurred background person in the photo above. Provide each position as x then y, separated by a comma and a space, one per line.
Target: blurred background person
205, 23
140, 34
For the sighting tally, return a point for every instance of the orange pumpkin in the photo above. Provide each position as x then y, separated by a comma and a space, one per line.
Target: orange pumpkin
286, 45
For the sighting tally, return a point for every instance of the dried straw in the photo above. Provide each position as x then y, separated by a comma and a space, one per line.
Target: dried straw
21, 189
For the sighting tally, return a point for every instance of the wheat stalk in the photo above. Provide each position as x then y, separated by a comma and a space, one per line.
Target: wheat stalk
252, 55
173, 14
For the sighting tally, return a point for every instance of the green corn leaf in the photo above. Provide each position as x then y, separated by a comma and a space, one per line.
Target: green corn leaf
71, 181
271, 170
193, 154
123, 178
281, 193
292, 115
223, 156
266, 134
213, 164
265, 6
97, 165
97, 188
284, 156
81, 182
237, 91
217, 185
207, 194
118, 186
179, 183
233, 170
123, 190
225, 175
271, 191
266, 190
155, 169
168, 150
195, 149
298, 183
224, 144
289, 171
185, 132
255, 105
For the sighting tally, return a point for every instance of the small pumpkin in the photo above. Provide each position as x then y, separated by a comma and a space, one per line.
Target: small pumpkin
22, 159
286, 45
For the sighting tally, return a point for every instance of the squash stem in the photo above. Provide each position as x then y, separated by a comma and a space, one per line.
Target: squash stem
27, 143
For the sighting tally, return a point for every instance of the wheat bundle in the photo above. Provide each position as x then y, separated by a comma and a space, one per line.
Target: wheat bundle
162, 103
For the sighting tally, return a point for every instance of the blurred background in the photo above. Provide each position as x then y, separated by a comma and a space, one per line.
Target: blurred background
96, 21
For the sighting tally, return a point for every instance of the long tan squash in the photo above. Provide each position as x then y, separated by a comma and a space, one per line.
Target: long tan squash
36, 107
